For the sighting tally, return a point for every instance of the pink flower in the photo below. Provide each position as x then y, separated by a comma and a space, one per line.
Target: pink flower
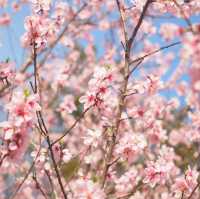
169, 31
99, 88
191, 177
61, 154
16, 6
23, 109
41, 5
187, 183
66, 155
195, 78
92, 137
5, 19
32, 102
7, 71
37, 31
88, 100
130, 145
20, 141
153, 84
68, 104
7, 129
15, 141
156, 133
127, 182
87, 189
157, 172
3, 3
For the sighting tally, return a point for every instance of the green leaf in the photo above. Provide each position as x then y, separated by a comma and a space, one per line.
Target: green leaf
26, 92
70, 168
108, 66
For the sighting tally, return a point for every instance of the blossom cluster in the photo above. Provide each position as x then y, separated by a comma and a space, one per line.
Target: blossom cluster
105, 101
21, 118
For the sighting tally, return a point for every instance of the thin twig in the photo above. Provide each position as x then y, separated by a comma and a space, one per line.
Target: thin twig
71, 128
155, 51
56, 168
193, 191
135, 67
38, 185
44, 129
182, 195
27, 174
135, 31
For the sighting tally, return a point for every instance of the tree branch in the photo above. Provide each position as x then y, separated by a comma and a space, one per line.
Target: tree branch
44, 130
121, 104
154, 52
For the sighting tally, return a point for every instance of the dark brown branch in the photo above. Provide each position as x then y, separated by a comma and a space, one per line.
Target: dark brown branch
129, 94
135, 31
193, 191
122, 20
71, 128
154, 52
182, 195
44, 129
40, 119
56, 168
135, 67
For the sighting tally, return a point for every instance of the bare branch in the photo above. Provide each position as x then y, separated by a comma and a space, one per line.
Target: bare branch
135, 31
154, 52
72, 126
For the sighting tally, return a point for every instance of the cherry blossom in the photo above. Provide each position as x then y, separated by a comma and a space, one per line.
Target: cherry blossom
87, 189
92, 137
131, 145
99, 88
99, 99
3, 3
127, 182
157, 172
37, 30
5, 19
41, 5
186, 184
